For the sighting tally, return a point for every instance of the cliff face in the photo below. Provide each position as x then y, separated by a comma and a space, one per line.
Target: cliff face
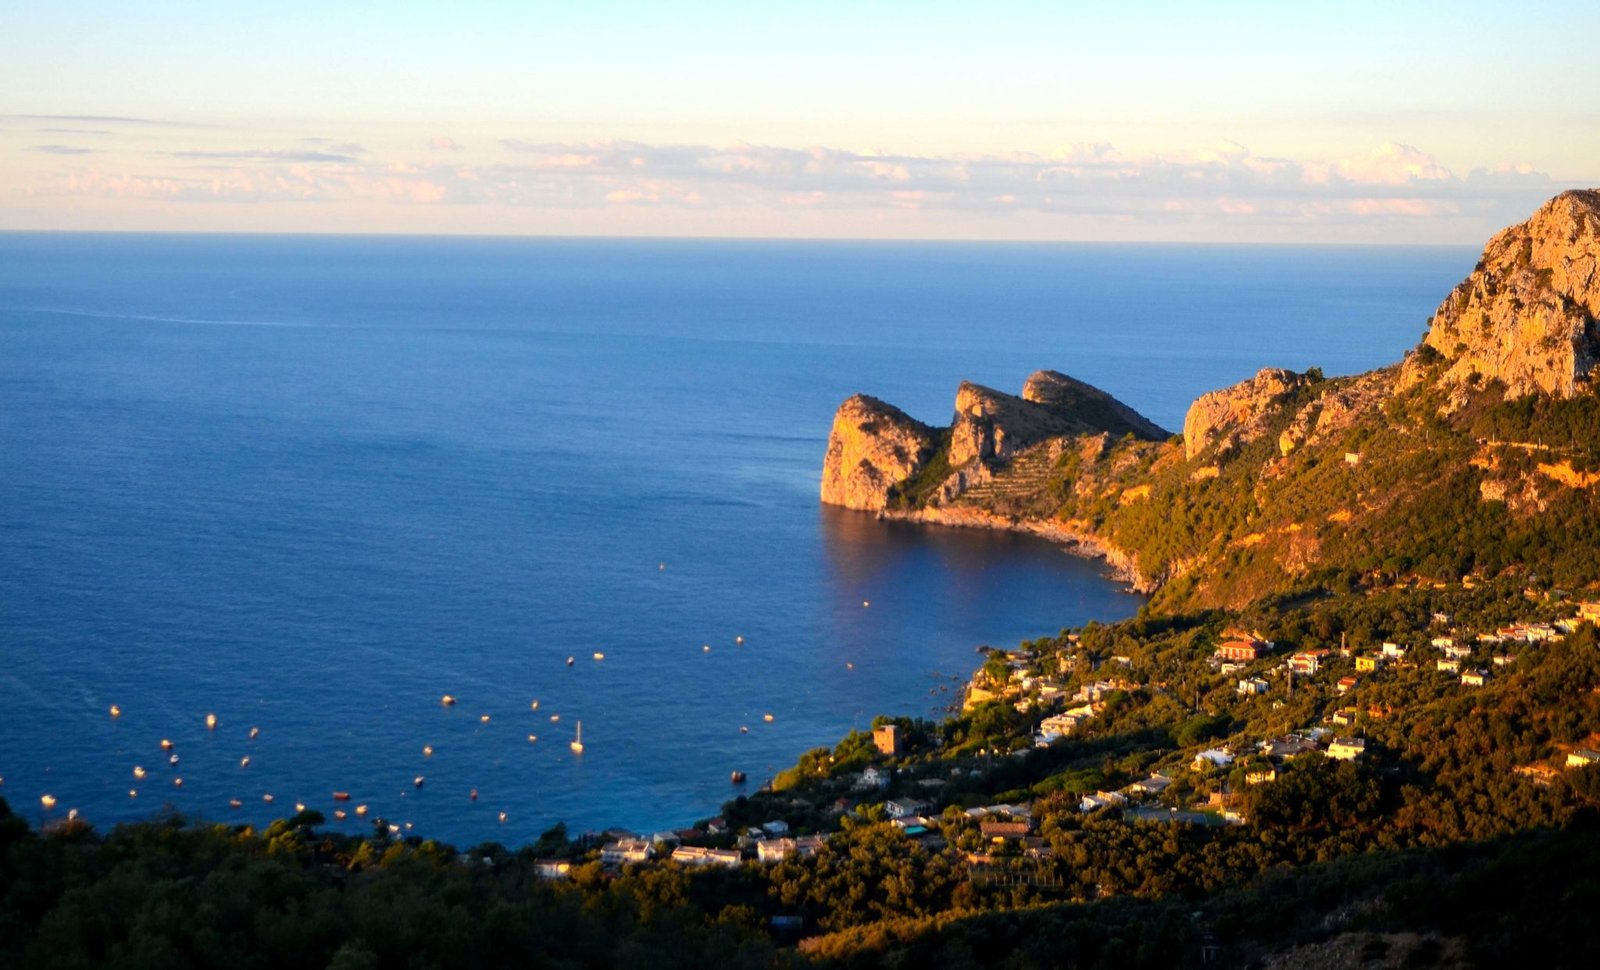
1093, 408
1526, 315
1414, 468
990, 425
1235, 414
873, 447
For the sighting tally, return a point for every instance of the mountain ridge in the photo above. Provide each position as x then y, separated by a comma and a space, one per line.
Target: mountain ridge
1286, 476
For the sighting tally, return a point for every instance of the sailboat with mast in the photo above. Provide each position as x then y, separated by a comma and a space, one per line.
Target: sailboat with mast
577, 742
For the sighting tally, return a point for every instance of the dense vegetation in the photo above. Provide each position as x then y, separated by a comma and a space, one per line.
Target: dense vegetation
1432, 848
1195, 809
1413, 485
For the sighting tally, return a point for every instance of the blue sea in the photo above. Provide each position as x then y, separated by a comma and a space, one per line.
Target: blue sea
313, 484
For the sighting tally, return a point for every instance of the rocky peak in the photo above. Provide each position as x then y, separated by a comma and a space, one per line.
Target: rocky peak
1238, 413
1526, 315
875, 447
872, 448
1097, 410
993, 426
990, 425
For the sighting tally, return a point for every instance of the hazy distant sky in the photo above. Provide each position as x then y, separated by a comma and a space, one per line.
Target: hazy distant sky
1314, 122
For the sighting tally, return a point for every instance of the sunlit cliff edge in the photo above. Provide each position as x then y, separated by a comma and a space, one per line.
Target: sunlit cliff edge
1483, 442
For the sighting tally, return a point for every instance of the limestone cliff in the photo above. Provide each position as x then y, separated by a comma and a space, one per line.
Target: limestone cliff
1238, 413
875, 450
873, 447
1526, 315
1416, 471
992, 426
1092, 407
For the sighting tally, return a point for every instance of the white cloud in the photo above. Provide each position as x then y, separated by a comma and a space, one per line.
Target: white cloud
1224, 184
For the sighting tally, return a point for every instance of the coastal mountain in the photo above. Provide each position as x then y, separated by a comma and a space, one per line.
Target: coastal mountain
1478, 452
879, 457
1525, 318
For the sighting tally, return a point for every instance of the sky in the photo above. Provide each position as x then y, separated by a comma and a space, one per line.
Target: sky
1347, 122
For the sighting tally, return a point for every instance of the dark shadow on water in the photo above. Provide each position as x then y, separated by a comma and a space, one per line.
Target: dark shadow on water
938, 582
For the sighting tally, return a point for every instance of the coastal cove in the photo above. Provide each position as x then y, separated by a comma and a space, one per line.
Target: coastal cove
311, 485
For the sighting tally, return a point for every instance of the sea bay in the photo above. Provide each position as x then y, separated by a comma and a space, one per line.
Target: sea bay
311, 484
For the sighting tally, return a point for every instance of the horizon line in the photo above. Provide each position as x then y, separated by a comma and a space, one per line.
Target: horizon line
668, 237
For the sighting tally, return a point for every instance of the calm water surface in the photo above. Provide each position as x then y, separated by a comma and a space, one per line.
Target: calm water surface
313, 484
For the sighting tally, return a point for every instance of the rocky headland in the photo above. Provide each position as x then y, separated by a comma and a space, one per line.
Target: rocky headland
1284, 473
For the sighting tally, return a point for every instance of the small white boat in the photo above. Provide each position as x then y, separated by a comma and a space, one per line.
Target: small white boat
116, 711
599, 656
211, 722
244, 762
427, 751
577, 742
534, 706
255, 732
138, 772
484, 718
48, 801
447, 700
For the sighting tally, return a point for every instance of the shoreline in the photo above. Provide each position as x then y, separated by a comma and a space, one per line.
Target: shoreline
1076, 541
